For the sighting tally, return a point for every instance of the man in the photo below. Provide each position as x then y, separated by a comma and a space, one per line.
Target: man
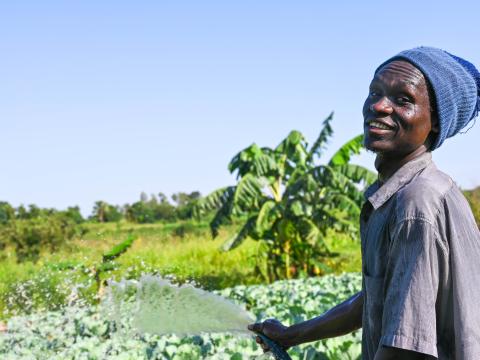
420, 295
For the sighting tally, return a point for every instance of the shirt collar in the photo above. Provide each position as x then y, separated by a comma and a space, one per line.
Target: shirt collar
378, 194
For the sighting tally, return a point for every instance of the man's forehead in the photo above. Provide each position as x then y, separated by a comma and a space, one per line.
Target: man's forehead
401, 71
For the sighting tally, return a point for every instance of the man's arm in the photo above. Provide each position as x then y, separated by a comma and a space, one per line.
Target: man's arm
342, 319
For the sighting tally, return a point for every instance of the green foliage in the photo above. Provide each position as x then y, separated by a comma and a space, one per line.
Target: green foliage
29, 236
157, 250
33, 229
119, 249
148, 211
78, 332
73, 213
160, 209
140, 213
473, 197
33, 212
7, 212
185, 204
186, 228
108, 260
289, 201
104, 212
343, 155
44, 290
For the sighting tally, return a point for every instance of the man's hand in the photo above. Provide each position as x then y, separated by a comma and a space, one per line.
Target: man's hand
342, 319
274, 330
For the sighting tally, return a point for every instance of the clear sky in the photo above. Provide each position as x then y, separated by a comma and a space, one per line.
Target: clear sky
100, 100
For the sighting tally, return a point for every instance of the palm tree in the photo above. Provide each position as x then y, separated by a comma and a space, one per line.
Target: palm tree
290, 202
99, 210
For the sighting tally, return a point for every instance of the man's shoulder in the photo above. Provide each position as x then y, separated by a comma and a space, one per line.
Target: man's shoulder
424, 196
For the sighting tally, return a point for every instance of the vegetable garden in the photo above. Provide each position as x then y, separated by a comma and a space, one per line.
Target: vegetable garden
85, 332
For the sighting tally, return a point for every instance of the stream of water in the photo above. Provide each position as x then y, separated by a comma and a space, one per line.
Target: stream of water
155, 305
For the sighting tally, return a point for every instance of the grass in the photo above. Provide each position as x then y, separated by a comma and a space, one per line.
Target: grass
158, 248
182, 250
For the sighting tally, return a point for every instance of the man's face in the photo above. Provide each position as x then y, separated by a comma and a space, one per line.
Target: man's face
397, 115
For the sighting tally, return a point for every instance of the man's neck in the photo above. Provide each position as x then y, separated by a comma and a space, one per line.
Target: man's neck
388, 165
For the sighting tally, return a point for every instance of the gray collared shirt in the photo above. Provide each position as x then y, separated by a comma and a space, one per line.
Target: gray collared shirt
420, 264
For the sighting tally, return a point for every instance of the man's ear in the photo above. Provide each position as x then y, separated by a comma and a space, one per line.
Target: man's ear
432, 136
435, 125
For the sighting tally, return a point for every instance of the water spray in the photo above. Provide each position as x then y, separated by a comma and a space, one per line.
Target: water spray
155, 305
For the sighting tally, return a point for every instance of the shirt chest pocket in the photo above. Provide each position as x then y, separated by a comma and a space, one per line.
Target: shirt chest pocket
375, 245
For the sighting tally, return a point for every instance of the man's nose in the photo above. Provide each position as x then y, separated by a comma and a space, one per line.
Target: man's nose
381, 106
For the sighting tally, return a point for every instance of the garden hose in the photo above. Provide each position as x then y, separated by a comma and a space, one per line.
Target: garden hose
276, 350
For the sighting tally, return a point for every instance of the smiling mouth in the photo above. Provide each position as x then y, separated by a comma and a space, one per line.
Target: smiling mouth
378, 125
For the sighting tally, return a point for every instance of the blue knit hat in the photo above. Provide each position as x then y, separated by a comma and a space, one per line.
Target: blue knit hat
455, 82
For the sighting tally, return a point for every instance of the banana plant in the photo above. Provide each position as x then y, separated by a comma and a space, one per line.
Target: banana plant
108, 264
289, 201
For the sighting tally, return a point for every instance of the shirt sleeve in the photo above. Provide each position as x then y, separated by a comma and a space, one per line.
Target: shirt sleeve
411, 286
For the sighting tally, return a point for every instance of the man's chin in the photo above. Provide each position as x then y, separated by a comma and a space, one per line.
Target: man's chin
378, 147
371, 148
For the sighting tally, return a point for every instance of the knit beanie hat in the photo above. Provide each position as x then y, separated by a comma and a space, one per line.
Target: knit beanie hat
455, 82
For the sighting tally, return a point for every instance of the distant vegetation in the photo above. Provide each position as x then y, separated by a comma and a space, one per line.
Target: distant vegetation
148, 210
28, 230
145, 211
473, 197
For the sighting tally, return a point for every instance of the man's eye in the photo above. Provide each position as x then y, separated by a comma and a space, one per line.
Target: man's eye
403, 100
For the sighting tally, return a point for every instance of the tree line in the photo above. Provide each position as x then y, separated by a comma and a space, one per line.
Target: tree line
30, 230
148, 209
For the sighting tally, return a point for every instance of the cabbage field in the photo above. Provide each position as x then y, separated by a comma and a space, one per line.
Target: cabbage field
84, 332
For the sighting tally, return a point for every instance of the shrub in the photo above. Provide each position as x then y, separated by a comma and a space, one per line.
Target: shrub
73, 213
185, 229
30, 236
7, 212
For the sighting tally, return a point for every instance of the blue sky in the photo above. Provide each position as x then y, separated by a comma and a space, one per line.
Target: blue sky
100, 100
